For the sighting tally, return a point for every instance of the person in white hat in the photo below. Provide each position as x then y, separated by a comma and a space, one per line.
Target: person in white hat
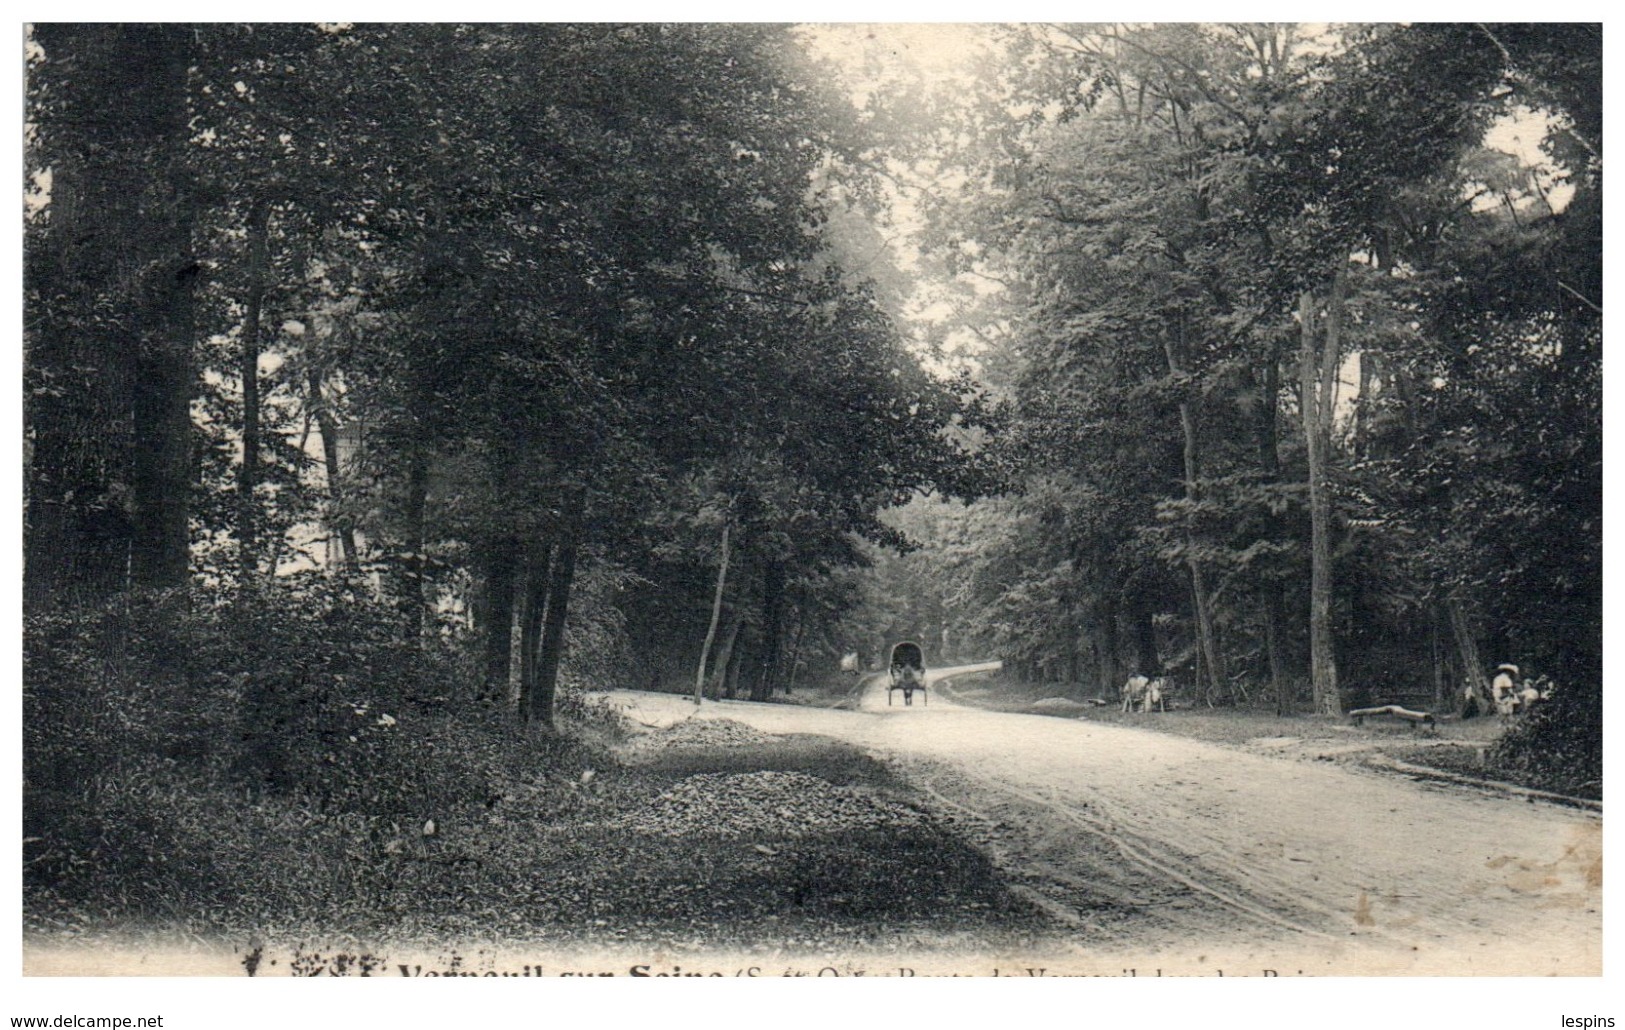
1504, 689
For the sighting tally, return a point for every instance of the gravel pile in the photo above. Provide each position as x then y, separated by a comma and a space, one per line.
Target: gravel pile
767, 804
699, 733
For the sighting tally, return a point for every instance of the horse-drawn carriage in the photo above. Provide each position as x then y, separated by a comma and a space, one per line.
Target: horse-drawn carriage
907, 672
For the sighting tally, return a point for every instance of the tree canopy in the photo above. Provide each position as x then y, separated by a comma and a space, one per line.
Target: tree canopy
546, 293
1285, 372
1301, 372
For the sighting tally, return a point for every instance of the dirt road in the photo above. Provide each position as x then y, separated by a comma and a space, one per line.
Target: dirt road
1162, 851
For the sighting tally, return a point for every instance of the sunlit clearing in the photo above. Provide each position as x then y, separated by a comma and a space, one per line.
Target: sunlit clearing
1520, 133
867, 53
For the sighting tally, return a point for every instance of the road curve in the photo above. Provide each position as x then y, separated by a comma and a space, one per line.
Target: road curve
1152, 848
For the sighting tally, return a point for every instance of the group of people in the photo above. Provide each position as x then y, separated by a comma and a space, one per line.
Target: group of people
1510, 695
1144, 693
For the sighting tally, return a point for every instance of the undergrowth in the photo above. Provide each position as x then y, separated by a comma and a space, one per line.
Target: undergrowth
299, 772
1557, 746
230, 764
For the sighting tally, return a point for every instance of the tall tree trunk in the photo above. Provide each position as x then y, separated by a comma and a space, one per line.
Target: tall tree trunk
716, 614
163, 461
1272, 589
772, 630
75, 547
1461, 626
1143, 618
725, 664
1441, 681
339, 521
248, 473
501, 573
1106, 639
559, 581
736, 662
112, 278
1212, 689
1200, 602
793, 659
1274, 619
1318, 375
56, 422
163, 458
413, 599
533, 612
1069, 617
1362, 404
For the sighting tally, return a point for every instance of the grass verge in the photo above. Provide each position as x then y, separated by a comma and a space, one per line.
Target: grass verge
1463, 747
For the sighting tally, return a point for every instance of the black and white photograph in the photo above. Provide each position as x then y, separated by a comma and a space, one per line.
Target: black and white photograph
755, 499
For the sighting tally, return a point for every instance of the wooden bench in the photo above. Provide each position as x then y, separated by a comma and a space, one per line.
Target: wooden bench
1418, 720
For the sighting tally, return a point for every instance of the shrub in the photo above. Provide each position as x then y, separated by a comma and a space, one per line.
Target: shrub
228, 760
105, 686
1557, 746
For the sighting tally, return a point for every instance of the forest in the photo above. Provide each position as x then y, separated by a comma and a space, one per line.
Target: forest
381, 373
1296, 375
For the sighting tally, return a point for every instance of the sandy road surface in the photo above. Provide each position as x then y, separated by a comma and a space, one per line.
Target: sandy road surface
1153, 849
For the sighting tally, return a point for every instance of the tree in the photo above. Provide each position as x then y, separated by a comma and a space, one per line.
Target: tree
110, 300
1169, 208
716, 615
1320, 358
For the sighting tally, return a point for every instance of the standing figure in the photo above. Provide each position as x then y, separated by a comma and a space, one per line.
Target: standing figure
1470, 704
1504, 690
1134, 692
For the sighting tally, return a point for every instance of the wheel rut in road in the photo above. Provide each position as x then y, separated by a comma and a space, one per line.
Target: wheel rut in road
1078, 865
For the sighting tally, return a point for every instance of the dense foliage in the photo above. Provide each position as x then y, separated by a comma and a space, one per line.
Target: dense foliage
177, 788
385, 382
496, 322
1303, 377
